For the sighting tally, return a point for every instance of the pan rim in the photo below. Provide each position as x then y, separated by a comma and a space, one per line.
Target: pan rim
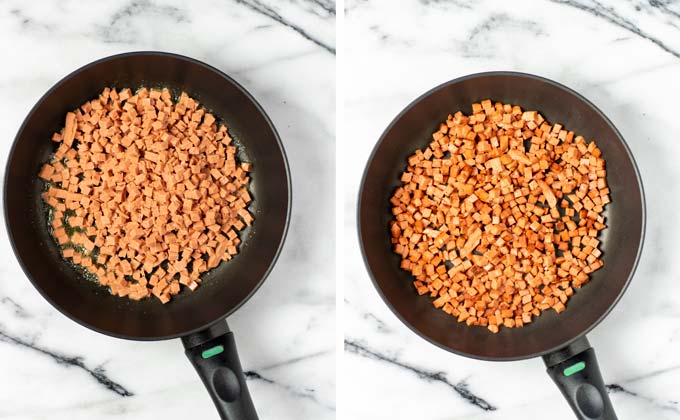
523, 75
240, 88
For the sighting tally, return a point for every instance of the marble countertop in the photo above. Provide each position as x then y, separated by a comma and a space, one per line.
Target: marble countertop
283, 52
622, 55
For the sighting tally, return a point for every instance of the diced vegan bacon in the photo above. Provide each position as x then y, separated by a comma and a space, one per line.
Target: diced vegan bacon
496, 231
142, 183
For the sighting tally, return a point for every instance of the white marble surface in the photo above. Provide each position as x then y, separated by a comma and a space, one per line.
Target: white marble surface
283, 53
625, 57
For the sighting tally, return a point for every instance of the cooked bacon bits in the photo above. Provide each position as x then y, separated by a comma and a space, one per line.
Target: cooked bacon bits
146, 193
498, 218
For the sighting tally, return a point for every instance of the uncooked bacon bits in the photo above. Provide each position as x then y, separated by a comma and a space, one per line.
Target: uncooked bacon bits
146, 193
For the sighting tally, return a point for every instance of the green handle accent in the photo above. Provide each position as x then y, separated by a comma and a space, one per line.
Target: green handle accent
212, 351
574, 368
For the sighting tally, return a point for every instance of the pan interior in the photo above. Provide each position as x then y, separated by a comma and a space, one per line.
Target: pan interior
621, 240
224, 288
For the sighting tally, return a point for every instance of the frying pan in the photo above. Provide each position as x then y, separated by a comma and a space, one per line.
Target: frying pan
559, 338
197, 317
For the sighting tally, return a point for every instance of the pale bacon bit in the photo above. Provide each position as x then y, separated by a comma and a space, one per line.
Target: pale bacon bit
547, 192
144, 183
472, 242
495, 232
208, 120
519, 156
46, 172
69, 129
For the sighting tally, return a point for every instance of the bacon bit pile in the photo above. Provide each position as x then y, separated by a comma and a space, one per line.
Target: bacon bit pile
498, 218
146, 194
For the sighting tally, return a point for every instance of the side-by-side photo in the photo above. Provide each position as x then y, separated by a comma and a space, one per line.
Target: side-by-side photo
507, 165
165, 254
351, 209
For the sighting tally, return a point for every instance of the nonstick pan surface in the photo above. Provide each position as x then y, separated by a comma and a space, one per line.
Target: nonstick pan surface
223, 289
621, 241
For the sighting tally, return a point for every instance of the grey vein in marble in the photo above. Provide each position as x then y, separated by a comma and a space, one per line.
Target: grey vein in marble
458, 3
380, 325
307, 393
351, 5
144, 6
98, 373
328, 6
597, 9
669, 405
296, 360
497, 21
265, 10
16, 309
664, 7
111, 33
652, 374
27, 23
461, 388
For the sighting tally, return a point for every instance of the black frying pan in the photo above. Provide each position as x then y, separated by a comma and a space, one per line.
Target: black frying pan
558, 338
197, 317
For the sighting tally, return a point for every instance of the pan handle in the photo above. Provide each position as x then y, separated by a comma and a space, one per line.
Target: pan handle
575, 371
213, 354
